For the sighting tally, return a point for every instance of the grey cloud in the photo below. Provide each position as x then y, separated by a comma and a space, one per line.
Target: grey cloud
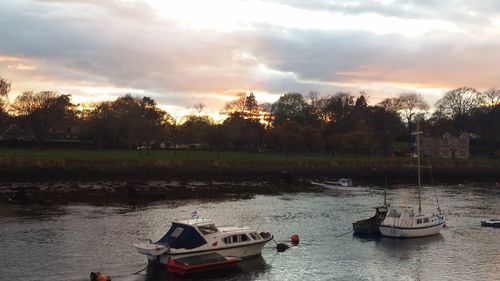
328, 56
107, 45
462, 12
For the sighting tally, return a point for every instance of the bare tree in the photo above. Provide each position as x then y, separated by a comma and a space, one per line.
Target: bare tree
237, 105
265, 110
4, 87
491, 98
199, 107
409, 105
390, 104
318, 106
459, 102
4, 95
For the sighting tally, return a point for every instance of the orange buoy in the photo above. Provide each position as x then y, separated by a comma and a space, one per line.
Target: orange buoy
101, 277
295, 239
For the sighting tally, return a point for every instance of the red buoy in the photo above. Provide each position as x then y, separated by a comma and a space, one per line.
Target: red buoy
97, 276
295, 239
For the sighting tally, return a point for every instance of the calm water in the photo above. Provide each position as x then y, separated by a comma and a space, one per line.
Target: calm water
67, 242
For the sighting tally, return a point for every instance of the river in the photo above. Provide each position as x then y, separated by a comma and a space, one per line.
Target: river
67, 242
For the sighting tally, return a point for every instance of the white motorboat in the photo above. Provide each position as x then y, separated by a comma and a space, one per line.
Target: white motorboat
491, 222
404, 222
200, 236
342, 184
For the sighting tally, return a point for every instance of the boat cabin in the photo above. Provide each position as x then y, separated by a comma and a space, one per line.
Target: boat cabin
341, 182
345, 182
193, 233
406, 217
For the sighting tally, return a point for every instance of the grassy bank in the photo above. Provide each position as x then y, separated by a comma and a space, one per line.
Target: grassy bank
50, 164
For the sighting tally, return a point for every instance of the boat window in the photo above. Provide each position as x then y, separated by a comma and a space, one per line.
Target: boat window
255, 236
177, 232
394, 214
235, 238
426, 220
207, 229
419, 220
244, 238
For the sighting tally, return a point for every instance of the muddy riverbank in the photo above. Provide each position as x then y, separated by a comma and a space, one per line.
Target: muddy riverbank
138, 192
363, 170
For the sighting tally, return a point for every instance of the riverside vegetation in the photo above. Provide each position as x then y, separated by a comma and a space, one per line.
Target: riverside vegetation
52, 164
103, 176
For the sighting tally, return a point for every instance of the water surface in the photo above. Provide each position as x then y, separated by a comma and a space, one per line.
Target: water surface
67, 242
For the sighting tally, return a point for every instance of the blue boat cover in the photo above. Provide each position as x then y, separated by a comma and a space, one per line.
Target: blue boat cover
182, 236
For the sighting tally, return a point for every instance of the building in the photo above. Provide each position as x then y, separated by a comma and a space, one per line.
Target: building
446, 146
13, 132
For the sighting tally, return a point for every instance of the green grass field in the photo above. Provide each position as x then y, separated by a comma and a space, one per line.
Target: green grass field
52, 164
73, 154
96, 155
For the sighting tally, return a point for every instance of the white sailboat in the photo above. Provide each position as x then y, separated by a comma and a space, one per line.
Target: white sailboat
404, 222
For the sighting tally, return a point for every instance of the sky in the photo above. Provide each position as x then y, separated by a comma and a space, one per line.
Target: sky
183, 53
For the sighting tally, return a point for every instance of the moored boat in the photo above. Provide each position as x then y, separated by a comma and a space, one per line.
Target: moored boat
336, 186
341, 182
200, 236
405, 222
371, 225
491, 223
200, 263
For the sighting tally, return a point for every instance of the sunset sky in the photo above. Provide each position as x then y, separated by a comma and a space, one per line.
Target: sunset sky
186, 52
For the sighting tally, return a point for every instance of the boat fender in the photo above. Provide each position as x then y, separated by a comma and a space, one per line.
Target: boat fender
281, 247
97, 276
295, 239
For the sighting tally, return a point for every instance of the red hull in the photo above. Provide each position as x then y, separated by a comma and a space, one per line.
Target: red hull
186, 268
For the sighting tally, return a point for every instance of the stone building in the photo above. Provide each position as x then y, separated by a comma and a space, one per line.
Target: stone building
446, 146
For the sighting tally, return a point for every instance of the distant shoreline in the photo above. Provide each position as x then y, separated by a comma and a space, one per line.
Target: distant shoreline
373, 171
138, 192
103, 177
128, 165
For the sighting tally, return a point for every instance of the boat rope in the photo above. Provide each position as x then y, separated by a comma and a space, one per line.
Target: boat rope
432, 184
148, 266
350, 231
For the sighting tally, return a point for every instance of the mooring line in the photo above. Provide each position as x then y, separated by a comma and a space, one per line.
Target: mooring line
350, 231
149, 265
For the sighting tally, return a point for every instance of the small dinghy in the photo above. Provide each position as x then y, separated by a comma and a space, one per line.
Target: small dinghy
491, 223
370, 227
200, 263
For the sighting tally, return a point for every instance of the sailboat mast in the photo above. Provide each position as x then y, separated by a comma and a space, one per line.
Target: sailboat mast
418, 167
385, 190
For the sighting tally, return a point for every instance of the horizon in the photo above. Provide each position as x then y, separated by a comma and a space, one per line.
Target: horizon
182, 54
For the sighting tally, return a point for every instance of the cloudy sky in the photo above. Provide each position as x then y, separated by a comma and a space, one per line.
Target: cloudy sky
186, 52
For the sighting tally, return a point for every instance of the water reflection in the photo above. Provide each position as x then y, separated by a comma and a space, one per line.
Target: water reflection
405, 248
67, 242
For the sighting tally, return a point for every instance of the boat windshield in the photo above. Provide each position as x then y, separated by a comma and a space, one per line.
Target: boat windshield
394, 213
182, 236
207, 229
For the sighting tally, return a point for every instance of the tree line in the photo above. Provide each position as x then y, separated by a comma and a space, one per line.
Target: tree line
340, 123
